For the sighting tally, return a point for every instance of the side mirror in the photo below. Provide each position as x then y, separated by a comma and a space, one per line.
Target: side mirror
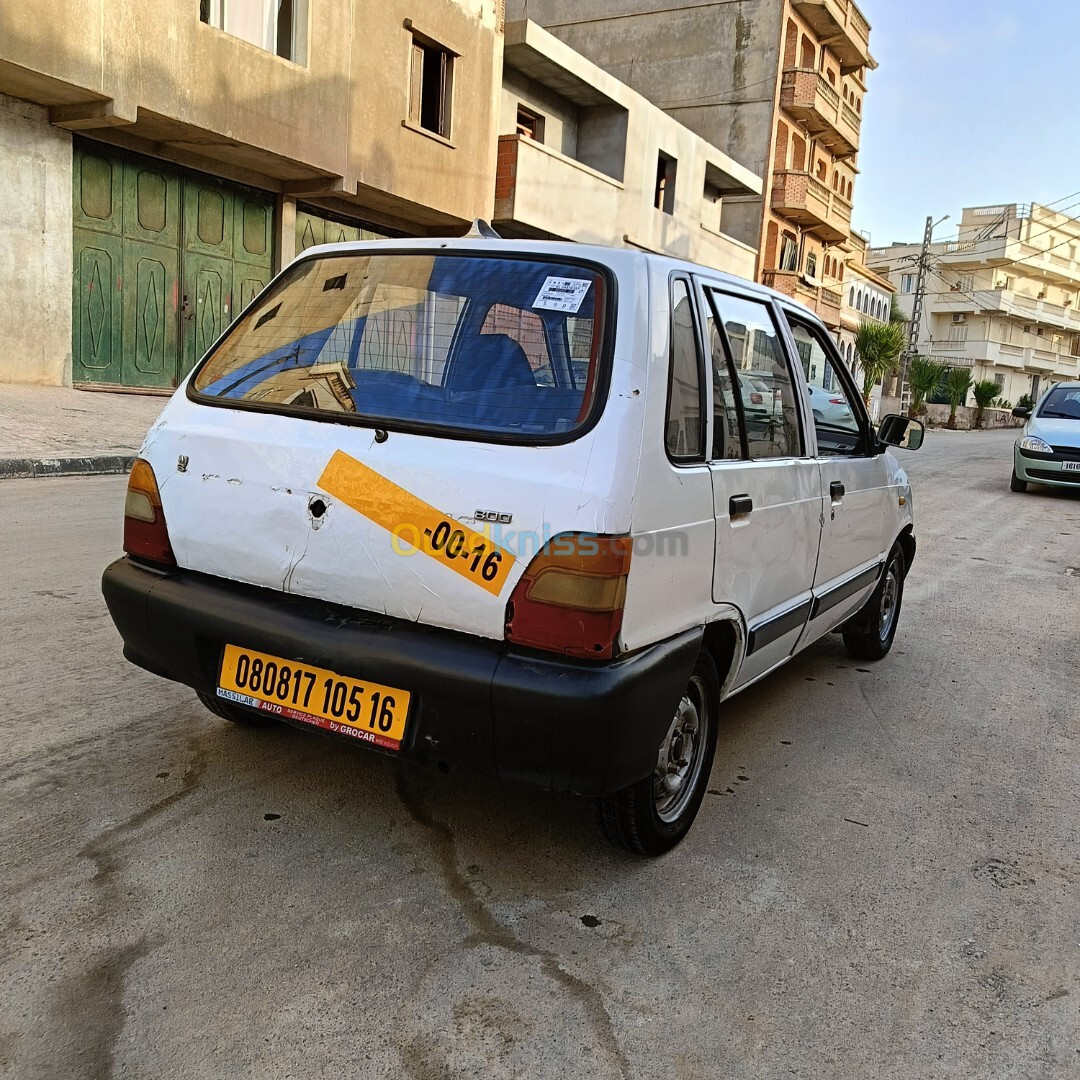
897, 430
1021, 414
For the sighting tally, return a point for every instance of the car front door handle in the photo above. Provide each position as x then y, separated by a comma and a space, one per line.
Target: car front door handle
740, 505
836, 491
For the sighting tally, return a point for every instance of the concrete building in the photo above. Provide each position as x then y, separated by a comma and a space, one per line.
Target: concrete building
778, 83
163, 160
583, 157
166, 158
1001, 299
867, 297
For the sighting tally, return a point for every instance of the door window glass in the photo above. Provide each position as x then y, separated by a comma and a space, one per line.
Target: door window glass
766, 387
727, 442
684, 426
833, 405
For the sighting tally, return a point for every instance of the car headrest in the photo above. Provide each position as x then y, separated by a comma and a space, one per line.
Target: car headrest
491, 362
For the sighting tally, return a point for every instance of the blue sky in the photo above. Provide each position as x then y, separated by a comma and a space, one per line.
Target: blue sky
974, 102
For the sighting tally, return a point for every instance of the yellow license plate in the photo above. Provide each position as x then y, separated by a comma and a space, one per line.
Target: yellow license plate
360, 709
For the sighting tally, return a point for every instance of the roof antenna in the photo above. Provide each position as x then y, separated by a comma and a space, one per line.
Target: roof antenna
481, 230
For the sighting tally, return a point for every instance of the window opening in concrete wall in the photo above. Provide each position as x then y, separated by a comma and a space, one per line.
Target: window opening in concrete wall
664, 193
278, 26
789, 253
530, 124
811, 264
430, 86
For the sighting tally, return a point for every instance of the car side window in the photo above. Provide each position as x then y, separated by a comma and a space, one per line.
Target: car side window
727, 437
766, 388
684, 432
839, 417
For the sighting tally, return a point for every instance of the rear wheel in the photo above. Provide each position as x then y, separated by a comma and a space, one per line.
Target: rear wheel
235, 714
869, 636
1016, 484
654, 814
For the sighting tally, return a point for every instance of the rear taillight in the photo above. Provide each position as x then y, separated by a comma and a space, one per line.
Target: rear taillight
145, 534
570, 599
755, 399
837, 401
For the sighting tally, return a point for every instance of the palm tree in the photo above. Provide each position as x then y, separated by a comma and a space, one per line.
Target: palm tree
879, 346
924, 377
984, 391
957, 384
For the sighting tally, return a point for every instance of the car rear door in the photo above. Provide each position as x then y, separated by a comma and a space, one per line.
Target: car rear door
766, 489
858, 502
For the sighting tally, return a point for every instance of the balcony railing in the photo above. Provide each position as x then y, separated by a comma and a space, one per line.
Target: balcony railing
845, 25
826, 303
804, 199
808, 96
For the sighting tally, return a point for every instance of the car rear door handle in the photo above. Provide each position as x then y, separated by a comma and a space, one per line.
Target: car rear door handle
836, 491
740, 505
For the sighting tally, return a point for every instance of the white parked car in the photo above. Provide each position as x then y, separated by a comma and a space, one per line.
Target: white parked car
497, 503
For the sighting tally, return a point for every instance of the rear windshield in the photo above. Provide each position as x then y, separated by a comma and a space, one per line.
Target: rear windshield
1062, 403
504, 346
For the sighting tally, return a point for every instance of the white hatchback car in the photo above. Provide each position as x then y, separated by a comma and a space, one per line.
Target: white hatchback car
498, 503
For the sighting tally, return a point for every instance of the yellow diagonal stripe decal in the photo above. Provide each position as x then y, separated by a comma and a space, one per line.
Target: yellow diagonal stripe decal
414, 525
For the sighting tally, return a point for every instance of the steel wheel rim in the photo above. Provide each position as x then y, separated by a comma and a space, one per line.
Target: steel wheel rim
890, 597
681, 756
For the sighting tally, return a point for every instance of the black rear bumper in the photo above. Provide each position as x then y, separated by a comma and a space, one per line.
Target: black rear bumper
551, 722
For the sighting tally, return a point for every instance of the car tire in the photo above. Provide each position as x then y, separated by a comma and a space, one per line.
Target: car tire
651, 816
870, 634
1016, 484
236, 714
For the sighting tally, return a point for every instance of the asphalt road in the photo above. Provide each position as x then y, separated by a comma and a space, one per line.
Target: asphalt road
887, 883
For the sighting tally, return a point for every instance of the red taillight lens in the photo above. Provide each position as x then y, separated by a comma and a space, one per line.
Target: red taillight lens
837, 401
570, 599
145, 534
755, 399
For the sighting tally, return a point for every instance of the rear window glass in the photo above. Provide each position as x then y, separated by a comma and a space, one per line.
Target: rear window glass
503, 346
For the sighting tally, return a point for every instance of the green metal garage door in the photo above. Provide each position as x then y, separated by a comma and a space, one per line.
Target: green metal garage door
164, 261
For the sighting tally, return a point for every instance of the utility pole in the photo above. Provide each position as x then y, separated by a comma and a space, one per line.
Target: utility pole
923, 265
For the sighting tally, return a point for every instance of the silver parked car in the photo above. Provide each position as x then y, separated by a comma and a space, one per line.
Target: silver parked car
1048, 450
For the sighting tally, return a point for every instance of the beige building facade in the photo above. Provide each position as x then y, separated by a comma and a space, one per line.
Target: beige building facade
166, 158
583, 157
1003, 299
779, 84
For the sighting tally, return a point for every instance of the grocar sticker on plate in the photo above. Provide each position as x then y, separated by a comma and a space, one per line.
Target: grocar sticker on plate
562, 294
414, 525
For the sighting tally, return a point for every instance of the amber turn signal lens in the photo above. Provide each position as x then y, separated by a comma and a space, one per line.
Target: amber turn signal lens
146, 535
570, 599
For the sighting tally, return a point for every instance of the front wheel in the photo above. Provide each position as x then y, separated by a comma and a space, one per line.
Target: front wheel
1016, 484
651, 816
869, 636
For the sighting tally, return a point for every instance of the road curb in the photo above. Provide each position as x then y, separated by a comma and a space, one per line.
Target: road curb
93, 465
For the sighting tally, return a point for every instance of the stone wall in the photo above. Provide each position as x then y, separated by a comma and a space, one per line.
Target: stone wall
938, 416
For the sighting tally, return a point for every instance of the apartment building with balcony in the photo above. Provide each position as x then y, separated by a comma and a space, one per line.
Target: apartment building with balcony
583, 157
165, 158
779, 84
1003, 298
866, 296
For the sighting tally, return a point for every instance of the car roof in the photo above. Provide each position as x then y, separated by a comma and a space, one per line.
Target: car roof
620, 259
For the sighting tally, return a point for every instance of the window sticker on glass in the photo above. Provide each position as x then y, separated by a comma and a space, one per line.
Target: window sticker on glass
561, 294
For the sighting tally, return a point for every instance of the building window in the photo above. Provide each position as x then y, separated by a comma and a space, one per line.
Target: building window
907, 282
664, 193
789, 254
278, 26
1000, 380
431, 86
811, 264
530, 125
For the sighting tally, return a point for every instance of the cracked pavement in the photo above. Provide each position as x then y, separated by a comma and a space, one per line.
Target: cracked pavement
884, 883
